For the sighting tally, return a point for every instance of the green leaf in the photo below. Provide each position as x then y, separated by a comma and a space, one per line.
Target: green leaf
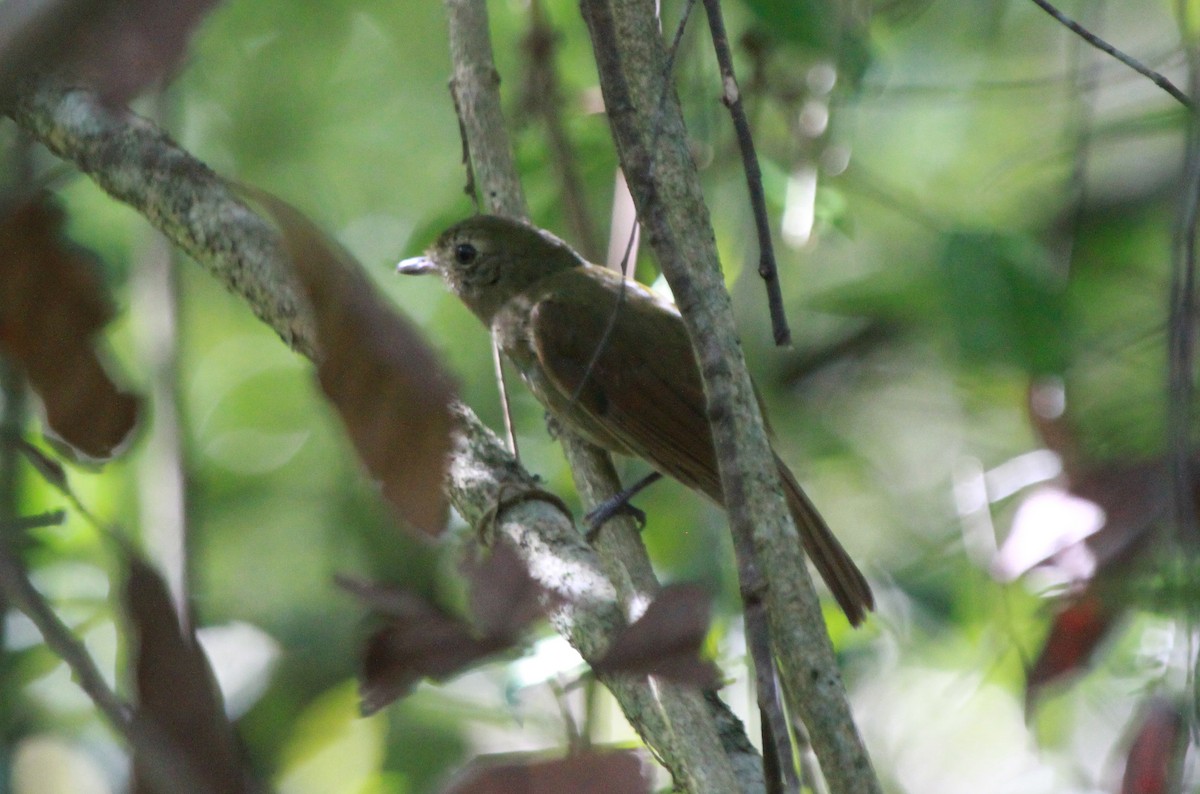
1005, 306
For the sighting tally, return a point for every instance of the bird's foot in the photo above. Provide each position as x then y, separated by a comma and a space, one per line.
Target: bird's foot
618, 504
610, 508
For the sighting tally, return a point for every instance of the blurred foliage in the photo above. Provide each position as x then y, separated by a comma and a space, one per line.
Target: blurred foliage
992, 201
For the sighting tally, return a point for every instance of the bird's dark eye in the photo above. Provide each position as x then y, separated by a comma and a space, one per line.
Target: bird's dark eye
465, 253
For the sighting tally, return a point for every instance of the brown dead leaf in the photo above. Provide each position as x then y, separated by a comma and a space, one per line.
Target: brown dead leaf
419, 641
504, 598
51, 309
1156, 755
387, 386
119, 47
1074, 636
177, 695
614, 772
666, 640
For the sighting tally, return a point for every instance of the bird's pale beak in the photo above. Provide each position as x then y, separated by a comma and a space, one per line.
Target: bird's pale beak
417, 266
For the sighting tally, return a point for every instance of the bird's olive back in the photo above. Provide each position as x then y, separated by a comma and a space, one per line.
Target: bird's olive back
486, 260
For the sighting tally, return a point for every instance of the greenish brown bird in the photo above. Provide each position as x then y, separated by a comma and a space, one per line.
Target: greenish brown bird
611, 360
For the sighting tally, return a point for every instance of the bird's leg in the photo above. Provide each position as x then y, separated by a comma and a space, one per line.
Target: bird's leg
619, 503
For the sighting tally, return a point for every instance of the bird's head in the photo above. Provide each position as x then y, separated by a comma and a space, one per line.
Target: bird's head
486, 260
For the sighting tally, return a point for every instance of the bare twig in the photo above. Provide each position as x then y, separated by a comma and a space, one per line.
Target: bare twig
732, 98
510, 432
1157, 78
163, 762
16, 590
20, 592
497, 360
469, 187
12, 420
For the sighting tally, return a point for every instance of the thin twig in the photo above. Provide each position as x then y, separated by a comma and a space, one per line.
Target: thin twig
20, 592
625, 269
1157, 78
510, 430
732, 99
1181, 330
575, 742
779, 761
12, 420
612, 319
469, 186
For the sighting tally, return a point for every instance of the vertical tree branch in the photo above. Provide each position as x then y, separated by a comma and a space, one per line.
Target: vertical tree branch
163, 492
631, 57
476, 87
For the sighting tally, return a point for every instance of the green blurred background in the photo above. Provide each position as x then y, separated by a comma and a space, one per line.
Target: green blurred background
966, 198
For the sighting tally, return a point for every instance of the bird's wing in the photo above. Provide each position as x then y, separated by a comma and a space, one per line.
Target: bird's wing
625, 362
625, 366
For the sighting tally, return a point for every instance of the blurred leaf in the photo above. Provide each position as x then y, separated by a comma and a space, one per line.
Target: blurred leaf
387, 386
119, 47
812, 23
899, 296
616, 772
419, 641
504, 598
1135, 497
1074, 636
666, 640
331, 749
1004, 305
1156, 755
818, 25
177, 695
51, 309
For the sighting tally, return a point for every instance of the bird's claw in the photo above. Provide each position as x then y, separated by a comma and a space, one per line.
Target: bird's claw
504, 500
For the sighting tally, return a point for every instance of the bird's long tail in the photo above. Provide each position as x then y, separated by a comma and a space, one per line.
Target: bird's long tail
845, 581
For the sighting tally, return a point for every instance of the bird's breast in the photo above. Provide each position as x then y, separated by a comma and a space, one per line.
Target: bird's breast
513, 332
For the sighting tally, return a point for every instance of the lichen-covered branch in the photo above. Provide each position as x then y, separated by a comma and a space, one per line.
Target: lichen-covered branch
685, 730
139, 164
